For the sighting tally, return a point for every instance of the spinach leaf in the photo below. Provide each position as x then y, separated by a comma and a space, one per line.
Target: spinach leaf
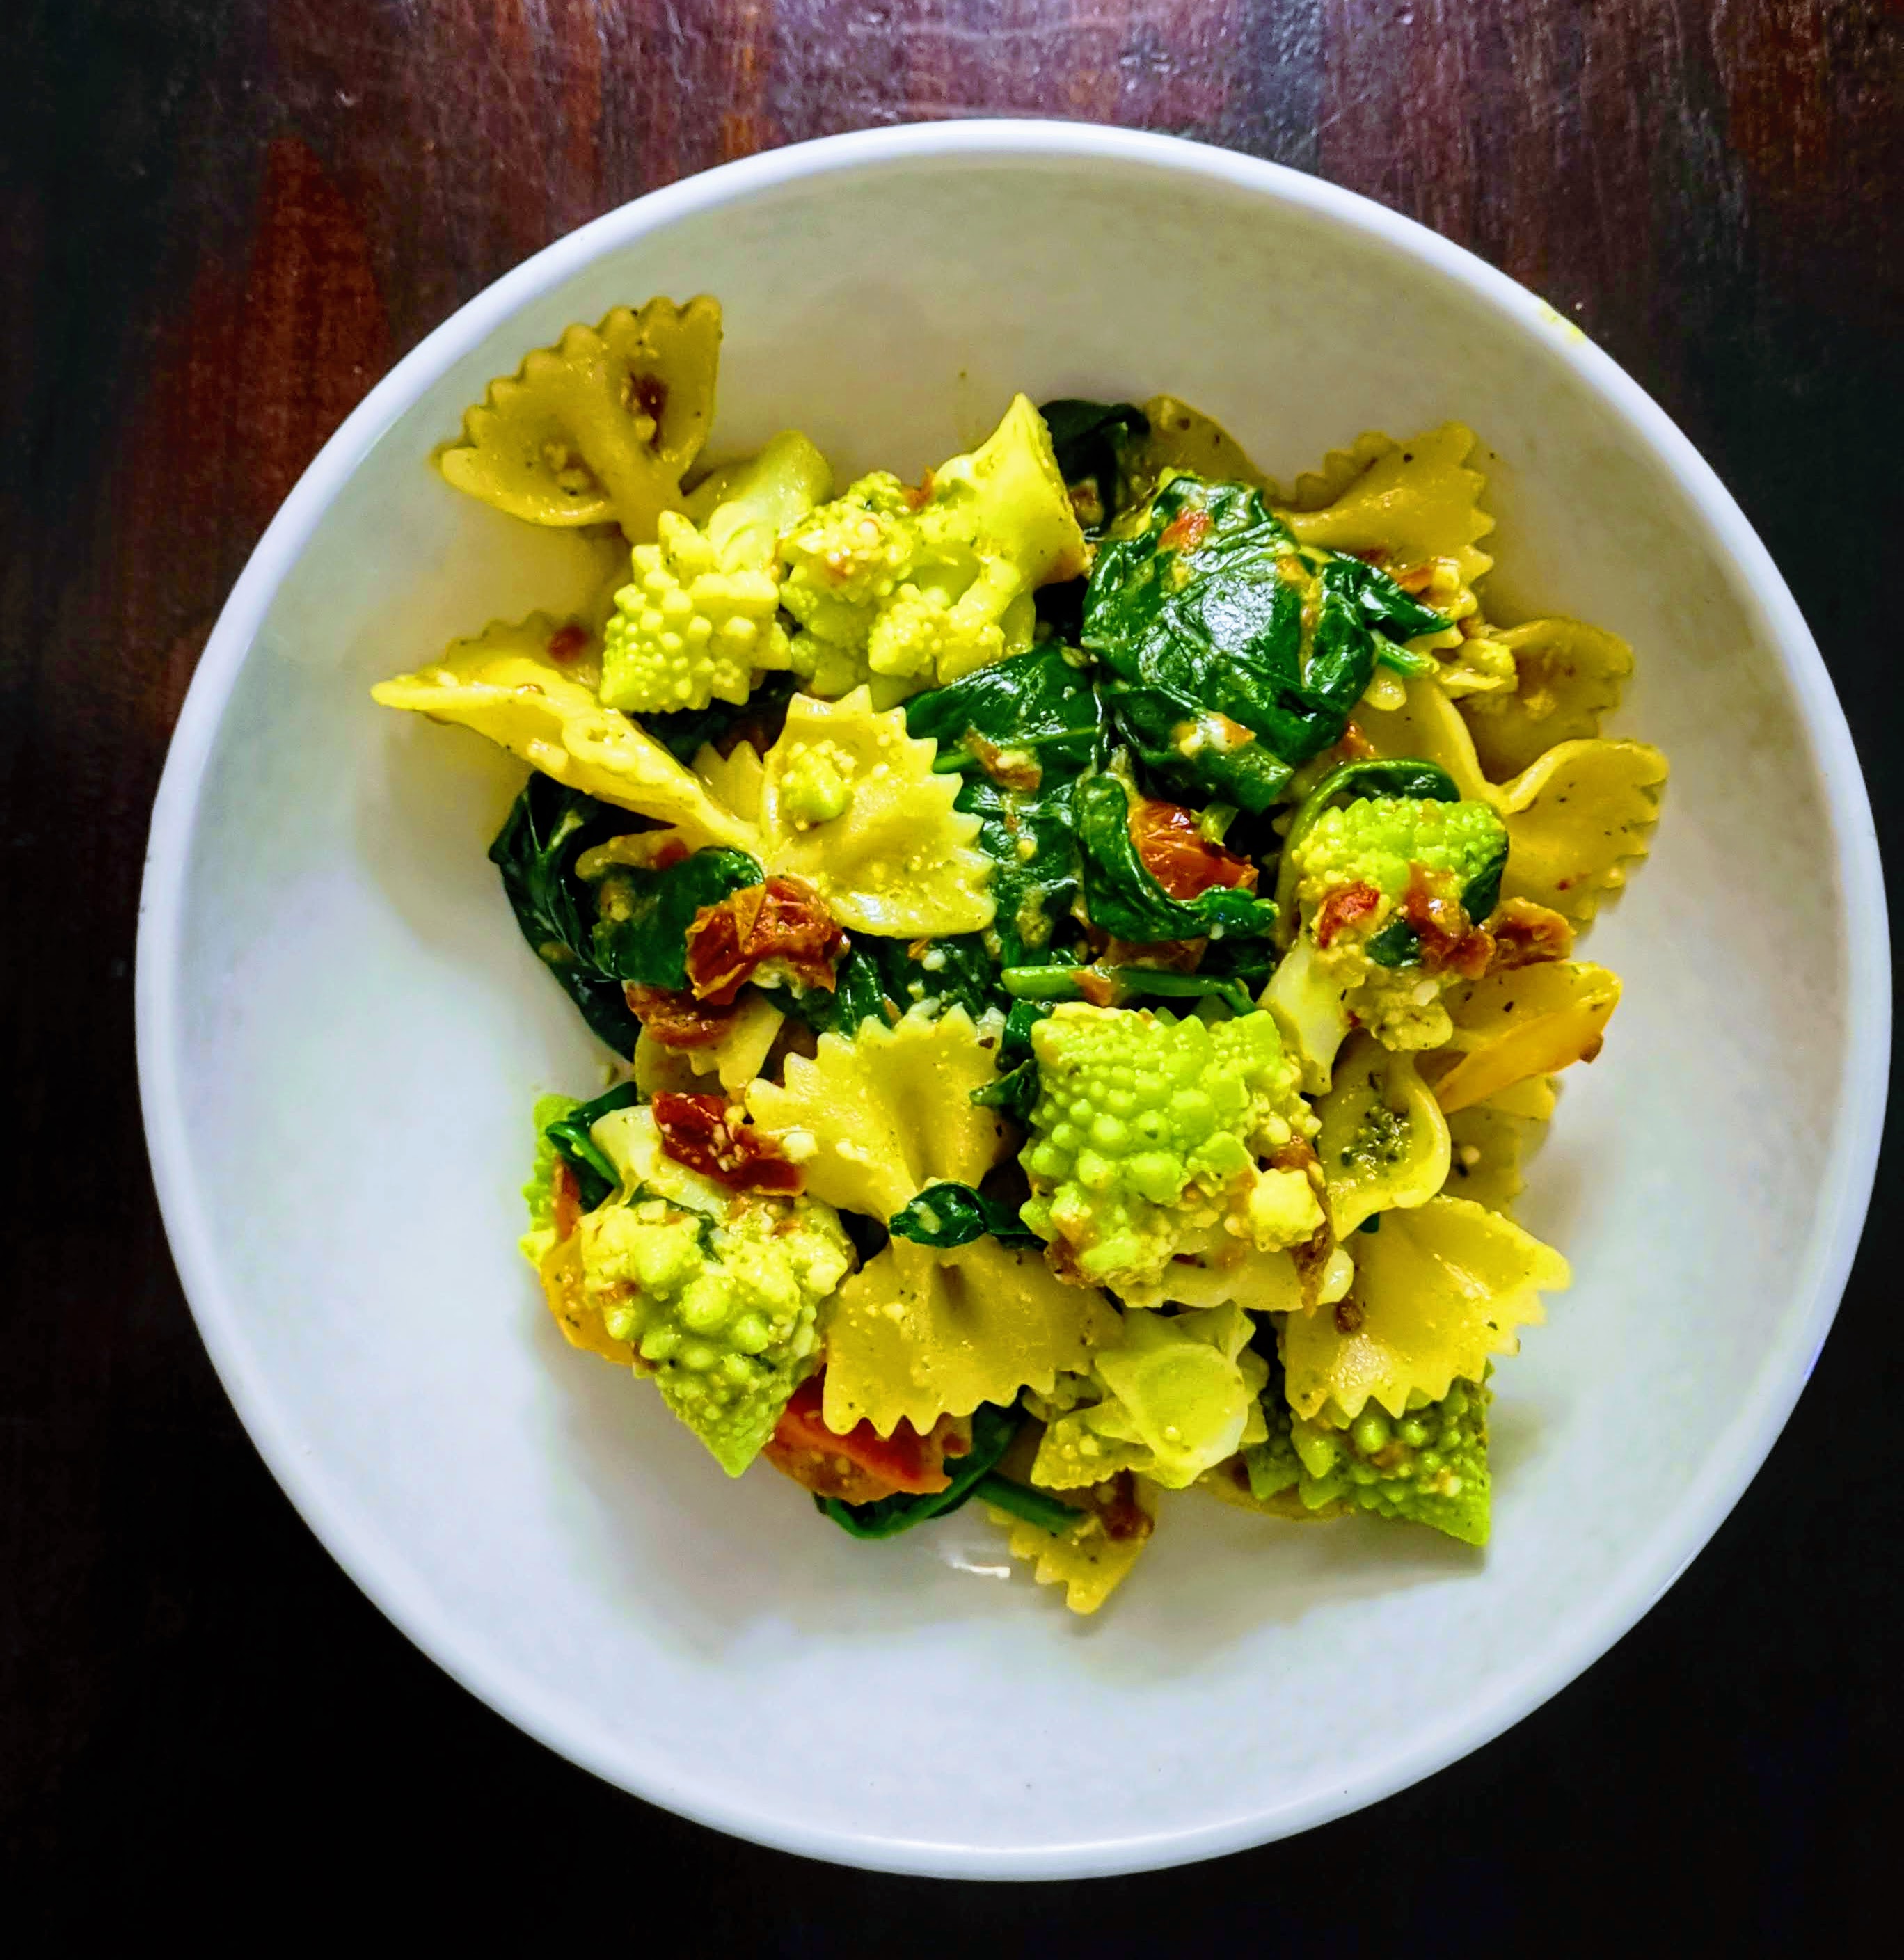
548, 828
682, 733
945, 1215
1090, 440
1042, 985
992, 1429
1237, 654
1036, 1507
1015, 1088
568, 1137
1121, 896
642, 917
1021, 732
878, 979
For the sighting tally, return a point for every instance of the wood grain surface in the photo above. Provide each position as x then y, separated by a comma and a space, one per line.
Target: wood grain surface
222, 222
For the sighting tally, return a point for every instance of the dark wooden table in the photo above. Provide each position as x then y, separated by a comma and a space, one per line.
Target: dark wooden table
223, 221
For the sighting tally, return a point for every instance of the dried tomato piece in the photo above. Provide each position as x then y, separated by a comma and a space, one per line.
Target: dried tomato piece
1526, 933
696, 1130
1177, 855
564, 1193
674, 1017
862, 1466
566, 643
785, 922
1451, 943
1342, 908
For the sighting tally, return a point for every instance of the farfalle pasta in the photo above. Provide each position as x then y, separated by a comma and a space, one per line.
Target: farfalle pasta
1089, 940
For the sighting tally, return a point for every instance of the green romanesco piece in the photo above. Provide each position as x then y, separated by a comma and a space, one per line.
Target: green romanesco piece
1354, 868
1177, 1395
911, 589
1429, 1467
1145, 1134
699, 620
539, 1193
717, 1290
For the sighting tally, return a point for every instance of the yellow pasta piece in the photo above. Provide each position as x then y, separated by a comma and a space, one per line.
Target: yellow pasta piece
504, 684
1428, 725
1488, 1144
1568, 677
1530, 1021
1413, 502
921, 1334
1383, 1142
579, 1318
1088, 1564
733, 781
602, 426
741, 1052
1316, 489
849, 802
1182, 437
881, 1116
1576, 818
1533, 1099
1438, 1291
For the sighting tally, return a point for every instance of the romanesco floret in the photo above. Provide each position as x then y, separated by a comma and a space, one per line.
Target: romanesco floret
700, 618
717, 1290
1430, 1467
1144, 1134
1368, 877
1174, 1398
911, 589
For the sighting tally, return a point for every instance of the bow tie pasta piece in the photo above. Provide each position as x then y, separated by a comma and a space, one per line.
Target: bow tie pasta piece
1092, 1558
1488, 1144
1383, 1143
1182, 437
1567, 678
507, 684
1438, 1291
602, 426
1413, 503
883, 1116
920, 1334
850, 803
1428, 727
1529, 1023
1577, 818
699, 618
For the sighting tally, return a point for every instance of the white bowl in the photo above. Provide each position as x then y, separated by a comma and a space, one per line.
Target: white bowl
340, 1035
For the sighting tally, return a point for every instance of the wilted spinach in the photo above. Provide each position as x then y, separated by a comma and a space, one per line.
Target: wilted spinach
1021, 732
1092, 441
992, 1429
642, 917
1123, 898
568, 1137
683, 733
1237, 654
548, 828
946, 1215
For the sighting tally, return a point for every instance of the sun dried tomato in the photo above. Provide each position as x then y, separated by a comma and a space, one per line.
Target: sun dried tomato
783, 921
1526, 933
1451, 943
862, 1466
565, 1192
1342, 908
696, 1130
1185, 532
674, 1017
1177, 855
566, 642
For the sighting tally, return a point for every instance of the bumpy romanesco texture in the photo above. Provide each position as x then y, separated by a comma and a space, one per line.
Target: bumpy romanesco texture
1430, 1468
1175, 1398
717, 1290
1146, 1132
1382, 844
539, 1193
910, 589
700, 618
